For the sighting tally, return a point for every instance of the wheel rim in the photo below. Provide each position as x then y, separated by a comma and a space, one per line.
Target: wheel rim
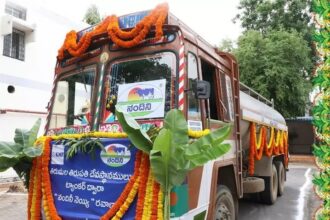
224, 210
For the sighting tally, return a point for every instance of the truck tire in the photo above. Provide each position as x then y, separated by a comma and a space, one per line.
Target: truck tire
281, 177
269, 196
253, 185
226, 204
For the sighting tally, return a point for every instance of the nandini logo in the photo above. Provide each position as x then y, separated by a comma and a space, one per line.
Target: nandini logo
140, 100
140, 94
115, 155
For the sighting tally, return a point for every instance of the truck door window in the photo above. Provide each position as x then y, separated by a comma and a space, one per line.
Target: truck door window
193, 104
230, 98
227, 97
209, 74
73, 99
144, 71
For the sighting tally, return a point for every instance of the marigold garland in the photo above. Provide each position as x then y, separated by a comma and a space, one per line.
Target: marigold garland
142, 191
125, 39
198, 134
123, 208
129, 186
160, 206
269, 148
31, 187
92, 134
34, 199
154, 206
50, 209
148, 198
275, 146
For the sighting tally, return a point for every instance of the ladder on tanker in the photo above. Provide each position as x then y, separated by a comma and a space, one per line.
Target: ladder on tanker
244, 88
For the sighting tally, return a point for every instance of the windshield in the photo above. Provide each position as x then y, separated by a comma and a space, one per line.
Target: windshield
142, 88
73, 98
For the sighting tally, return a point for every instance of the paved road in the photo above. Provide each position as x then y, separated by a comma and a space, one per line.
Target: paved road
299, 201
13, 206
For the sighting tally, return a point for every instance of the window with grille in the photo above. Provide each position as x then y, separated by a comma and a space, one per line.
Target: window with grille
15, 11
14, 45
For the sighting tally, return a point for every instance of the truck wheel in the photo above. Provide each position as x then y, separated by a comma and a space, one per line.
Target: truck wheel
269, 196
225, 204
281, 177
253, 185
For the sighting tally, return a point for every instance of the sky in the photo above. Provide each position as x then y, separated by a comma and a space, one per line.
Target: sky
211, 19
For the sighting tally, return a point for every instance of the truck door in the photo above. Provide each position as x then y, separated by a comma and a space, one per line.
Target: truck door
214, 106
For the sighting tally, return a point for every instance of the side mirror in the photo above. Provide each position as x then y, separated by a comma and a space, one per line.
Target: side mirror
202, 89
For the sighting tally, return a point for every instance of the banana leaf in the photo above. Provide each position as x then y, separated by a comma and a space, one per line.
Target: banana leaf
211, 153
10, 150
33, 133
209, 141
19, 154
164, 159
32, 151
177, 124
138, 137
27, 137
21, 136
6, 163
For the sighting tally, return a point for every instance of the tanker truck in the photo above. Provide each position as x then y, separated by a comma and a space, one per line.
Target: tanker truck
169, 67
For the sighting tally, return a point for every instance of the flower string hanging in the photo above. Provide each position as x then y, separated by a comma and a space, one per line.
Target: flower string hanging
124, 39
259, 146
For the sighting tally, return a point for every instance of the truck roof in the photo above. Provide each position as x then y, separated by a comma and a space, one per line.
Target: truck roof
129, 21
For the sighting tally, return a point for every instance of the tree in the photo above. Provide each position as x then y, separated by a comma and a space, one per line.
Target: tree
92, 15
226, 45
270, 15
264, 15
275, 64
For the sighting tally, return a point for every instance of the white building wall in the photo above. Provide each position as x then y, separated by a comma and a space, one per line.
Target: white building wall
32, 78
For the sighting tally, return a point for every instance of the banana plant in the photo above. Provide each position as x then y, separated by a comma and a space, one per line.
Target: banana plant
171, 153
19, 154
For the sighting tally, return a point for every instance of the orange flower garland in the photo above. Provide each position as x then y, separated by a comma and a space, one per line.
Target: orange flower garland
142, 191
128, 201
49, 206
269, 147
34, 200
275, 146
154, 206
120, 201
31, 186
148, 198
125, 39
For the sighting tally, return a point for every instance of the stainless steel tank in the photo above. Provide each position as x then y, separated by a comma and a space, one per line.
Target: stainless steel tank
253, 110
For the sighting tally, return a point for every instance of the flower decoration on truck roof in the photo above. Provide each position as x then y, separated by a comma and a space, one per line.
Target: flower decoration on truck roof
122, 38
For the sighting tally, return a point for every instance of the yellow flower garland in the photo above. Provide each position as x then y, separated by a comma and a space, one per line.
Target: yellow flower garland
198, 134
120, 213
148, 197
160, 205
